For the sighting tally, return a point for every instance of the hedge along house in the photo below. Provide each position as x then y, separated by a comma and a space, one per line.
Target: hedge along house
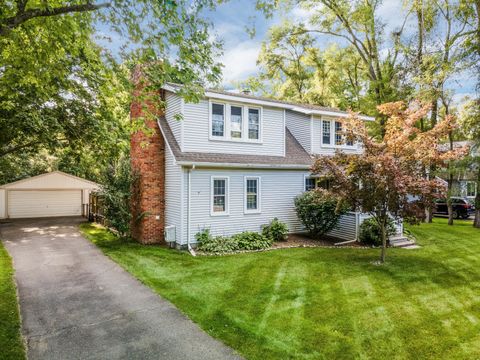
234, 163
46, 195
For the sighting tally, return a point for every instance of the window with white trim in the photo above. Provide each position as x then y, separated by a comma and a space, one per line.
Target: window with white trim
253, 123
326, 134
219, 195
252, 194
338, 133
471, 188
310, 183
236, 121
218, 120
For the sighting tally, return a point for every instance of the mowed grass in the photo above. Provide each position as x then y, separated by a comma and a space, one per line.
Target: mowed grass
325, 303
11, 343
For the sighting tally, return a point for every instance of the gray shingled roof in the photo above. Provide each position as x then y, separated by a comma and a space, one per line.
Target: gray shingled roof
263, 98
295, 154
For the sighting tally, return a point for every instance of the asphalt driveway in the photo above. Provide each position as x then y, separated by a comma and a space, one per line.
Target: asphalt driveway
78, 304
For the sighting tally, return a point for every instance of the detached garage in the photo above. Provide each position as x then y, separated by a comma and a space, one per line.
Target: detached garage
46, 195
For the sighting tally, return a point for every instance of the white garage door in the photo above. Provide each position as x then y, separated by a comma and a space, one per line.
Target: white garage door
44, 203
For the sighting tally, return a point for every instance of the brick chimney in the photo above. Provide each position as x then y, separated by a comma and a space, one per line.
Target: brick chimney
147, 157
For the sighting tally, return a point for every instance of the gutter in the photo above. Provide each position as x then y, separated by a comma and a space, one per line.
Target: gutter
243, 166
189, 185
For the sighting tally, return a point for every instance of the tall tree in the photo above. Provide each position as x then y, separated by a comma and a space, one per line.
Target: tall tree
61, 92
355, 24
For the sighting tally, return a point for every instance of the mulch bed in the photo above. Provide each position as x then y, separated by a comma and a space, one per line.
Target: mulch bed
303, 240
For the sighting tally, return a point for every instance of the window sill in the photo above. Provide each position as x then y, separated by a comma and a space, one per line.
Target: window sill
219, 214
252, 212
233, 140
346, 147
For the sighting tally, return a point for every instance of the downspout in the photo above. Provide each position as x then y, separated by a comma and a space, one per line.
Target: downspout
189, 185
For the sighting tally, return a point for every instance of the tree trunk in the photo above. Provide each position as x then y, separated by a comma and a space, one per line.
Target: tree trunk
476, 221
450, 180
384, 241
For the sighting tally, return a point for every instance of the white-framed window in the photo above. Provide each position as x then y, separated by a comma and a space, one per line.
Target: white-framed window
310, 183
236, 122
332, 135
471, 188
218, 119
326, 133
252, 202
219, 195
338, 133
253, 123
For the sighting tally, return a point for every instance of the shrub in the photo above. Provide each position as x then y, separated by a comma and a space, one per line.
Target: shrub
116, 193
218, 244
221, 244
319, 211
249, 240
276, 230
370, 233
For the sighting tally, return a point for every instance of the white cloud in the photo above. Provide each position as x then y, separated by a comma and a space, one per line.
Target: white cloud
240, 61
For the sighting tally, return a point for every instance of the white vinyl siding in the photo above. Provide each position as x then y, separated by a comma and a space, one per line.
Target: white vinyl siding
300, 127
197, 128
44, 203
278, 189
173, 194
172, 110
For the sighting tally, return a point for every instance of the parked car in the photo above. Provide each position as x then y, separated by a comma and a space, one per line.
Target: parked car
462, 208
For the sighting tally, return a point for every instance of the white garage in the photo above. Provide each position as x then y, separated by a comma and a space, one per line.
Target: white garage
47, 195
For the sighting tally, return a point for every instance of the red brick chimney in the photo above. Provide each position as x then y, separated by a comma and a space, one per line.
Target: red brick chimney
147, 157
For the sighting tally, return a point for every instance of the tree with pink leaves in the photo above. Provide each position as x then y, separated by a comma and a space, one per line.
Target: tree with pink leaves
388, 178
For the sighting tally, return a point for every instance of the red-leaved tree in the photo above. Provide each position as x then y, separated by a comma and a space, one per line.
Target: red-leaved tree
388, 178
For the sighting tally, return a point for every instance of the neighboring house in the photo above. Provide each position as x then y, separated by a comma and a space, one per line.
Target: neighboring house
464, 180
233, 163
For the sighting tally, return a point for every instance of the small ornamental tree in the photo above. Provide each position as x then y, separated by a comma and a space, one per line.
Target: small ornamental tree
383, 179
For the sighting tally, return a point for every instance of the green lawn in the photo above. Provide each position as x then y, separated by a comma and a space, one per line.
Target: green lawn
322, 303
11, 344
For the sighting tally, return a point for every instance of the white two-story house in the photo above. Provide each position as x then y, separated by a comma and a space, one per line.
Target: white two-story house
236, 161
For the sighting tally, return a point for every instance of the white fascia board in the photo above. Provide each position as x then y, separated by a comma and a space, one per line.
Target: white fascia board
243, 166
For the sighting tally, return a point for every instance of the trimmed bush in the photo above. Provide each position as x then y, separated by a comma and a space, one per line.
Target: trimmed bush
319, 211
370, 233
276, 230
250, 240
222, 244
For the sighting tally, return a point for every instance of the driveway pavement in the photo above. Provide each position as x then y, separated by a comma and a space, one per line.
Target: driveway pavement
78, 304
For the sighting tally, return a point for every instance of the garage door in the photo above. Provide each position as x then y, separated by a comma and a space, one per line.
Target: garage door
44, 203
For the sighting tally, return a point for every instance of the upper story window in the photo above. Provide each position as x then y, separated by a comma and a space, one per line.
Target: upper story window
235, 122
326, 132
252, 194
218, 119
253, 123
335, 138
219, 190
338, 133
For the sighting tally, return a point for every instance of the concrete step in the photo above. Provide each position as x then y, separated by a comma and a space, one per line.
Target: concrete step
400, 241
